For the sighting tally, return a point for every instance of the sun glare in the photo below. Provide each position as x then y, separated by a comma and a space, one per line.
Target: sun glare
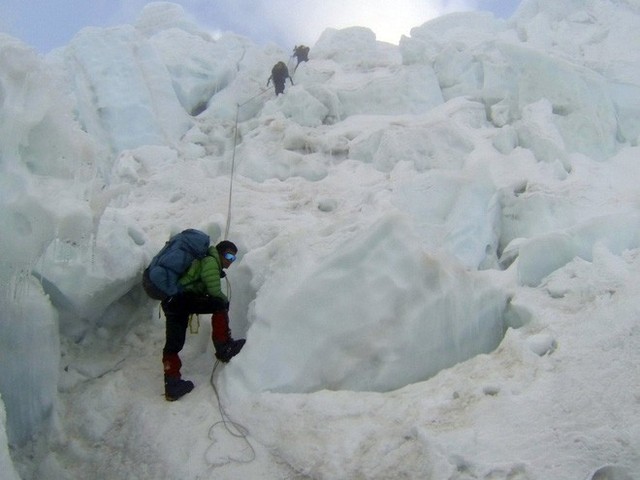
388, 20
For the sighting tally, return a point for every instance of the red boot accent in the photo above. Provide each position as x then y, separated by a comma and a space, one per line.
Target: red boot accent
220, 327
172, 364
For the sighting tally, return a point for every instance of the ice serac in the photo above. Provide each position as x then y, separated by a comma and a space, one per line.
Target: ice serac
375, 315
29, 354
41, 149
544, 254
371, 69
199, 66
125, 97
6, 464
509, 76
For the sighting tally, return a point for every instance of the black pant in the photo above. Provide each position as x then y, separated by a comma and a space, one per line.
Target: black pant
177, 310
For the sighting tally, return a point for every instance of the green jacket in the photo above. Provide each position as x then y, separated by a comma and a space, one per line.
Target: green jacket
203, 276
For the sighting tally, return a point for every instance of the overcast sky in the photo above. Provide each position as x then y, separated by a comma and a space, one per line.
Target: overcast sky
47, 24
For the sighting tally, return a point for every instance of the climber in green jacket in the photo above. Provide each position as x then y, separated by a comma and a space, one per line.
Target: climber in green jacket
202, 294
203, 276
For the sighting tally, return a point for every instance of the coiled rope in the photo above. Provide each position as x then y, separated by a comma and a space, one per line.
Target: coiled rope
233, 428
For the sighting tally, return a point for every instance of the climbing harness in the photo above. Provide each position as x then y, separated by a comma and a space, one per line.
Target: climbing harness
194, 323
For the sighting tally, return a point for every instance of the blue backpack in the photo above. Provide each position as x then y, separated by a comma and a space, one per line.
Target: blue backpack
160, 278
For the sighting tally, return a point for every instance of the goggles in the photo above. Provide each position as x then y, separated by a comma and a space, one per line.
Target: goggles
230, 256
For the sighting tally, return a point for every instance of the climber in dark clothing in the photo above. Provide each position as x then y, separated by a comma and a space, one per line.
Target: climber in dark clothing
301, 52
279, 74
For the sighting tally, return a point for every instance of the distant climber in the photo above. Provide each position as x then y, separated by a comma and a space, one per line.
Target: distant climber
279, 74
301, 52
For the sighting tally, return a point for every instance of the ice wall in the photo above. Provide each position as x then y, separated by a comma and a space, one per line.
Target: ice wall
6, 464
124, 94
376, 314
510, 77
42, 153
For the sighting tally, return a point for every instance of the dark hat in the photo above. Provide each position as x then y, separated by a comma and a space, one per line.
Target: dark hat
226, 246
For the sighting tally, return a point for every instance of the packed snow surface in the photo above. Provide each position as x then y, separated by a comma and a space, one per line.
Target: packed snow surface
439, 266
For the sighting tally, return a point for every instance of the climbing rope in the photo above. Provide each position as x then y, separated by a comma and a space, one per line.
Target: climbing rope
233, 428
233, 160
233, 166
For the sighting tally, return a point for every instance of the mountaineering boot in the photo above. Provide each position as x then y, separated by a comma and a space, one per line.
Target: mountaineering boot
229, 349
226, 347
175, 387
